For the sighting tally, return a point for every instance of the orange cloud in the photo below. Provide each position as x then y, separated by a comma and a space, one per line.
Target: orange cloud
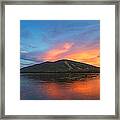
68, 51
86, 56
94, 61
57, 51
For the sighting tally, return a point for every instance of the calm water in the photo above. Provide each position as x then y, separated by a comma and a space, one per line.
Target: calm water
57, 87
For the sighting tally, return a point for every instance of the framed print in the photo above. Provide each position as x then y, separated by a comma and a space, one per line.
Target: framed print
60, 60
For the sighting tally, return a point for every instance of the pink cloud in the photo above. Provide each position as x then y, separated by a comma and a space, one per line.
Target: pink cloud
56, 52
68, 50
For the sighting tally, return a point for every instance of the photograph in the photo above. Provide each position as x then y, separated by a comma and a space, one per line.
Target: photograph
59, 59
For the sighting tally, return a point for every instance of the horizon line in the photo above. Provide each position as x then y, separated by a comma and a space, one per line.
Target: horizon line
60, 60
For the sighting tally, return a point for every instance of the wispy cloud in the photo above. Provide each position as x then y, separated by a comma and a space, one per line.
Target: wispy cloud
50, 40
56, 52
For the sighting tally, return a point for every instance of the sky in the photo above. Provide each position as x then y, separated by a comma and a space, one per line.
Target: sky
52, 40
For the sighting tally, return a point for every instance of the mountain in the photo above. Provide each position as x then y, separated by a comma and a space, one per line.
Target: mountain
61, 66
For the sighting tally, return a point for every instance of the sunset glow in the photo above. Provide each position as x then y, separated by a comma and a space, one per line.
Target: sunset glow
86, 88
52, 40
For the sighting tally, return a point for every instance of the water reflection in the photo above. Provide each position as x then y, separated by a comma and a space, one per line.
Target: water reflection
60, 87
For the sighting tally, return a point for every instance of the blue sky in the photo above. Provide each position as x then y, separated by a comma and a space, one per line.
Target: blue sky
51, 40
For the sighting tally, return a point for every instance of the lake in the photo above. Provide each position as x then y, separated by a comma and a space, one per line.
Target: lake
60, 86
